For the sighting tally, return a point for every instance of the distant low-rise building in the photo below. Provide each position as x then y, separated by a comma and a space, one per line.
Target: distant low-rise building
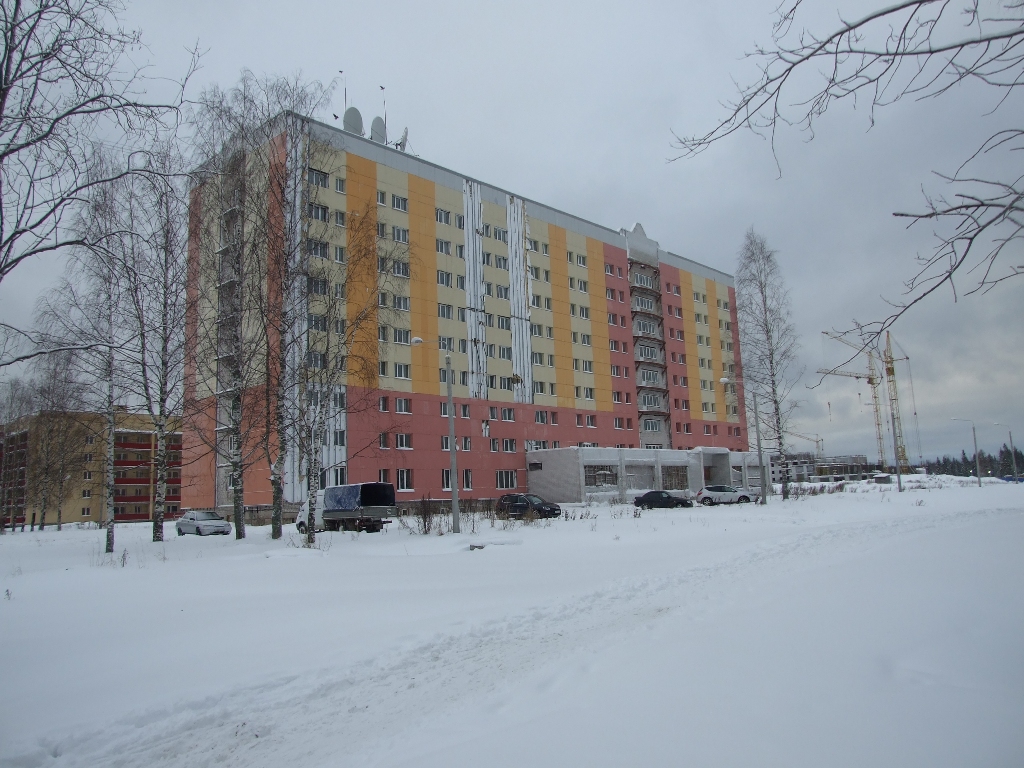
808, 468
52, 461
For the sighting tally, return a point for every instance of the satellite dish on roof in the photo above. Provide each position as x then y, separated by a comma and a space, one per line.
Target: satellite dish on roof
377, 131
353, 122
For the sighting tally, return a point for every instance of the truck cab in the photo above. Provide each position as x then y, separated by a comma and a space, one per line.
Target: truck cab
353, 507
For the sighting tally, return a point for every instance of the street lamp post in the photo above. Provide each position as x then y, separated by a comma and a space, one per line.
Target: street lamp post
1013, 451
760, 455
453, 471
977, 459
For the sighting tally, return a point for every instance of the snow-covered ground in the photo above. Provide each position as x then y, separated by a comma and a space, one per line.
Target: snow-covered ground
847, 629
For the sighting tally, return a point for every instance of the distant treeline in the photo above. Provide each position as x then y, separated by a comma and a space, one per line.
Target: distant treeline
992, 465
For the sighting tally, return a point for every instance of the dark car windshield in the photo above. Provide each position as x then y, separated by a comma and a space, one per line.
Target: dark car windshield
208, 516
535, 500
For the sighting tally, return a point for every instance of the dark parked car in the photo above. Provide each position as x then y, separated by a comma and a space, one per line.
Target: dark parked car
662, 499
517, 505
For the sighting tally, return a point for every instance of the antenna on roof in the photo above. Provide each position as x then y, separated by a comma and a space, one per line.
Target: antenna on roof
385, 96
402, 142
378, 132
353, 121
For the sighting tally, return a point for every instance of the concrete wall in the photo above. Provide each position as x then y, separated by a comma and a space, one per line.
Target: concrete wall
559, 474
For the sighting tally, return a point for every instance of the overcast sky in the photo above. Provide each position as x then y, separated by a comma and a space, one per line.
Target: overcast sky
574, 104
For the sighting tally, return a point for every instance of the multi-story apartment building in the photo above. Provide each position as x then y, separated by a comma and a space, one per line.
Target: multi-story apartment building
559, 331
60, 456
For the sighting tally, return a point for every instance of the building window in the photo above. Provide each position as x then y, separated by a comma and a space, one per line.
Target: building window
339, 437
318, 249
581, 260
466, 443
340, 255
467, 479
442, 216
318, 212
444, 246
383, 441
540, 417
404, 480
86, 494
403, 440
591, 421
652, 425
339, 186
400, 234
382, 476
444, 311
317, 178
403, 371
401, 335
382, 368
494, 445
505, 479
446, 479
403, 405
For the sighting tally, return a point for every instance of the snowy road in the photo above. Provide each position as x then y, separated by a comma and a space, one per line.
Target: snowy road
859, 629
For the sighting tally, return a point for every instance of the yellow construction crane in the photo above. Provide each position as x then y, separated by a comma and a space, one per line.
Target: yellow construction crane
902, 465
873, 379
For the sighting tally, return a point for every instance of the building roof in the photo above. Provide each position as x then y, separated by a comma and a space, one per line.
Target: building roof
417, 166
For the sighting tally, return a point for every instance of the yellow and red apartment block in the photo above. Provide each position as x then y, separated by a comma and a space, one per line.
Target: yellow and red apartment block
561, 332
50, 459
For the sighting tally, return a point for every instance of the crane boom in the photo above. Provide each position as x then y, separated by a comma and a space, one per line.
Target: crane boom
873, 379
819, 444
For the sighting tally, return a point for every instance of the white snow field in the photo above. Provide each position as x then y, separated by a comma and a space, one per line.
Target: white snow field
863, 628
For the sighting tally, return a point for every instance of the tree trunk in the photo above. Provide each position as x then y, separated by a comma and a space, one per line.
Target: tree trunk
109, 463
159, 503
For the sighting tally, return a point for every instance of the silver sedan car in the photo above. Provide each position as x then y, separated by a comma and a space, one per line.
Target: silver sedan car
203, 523
725, 494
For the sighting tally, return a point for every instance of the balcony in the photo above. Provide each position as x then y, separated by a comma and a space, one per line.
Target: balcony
661, 408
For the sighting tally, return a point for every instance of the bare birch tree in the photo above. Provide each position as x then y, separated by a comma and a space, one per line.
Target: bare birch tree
147, 250
768, 337
66, 81
82, 314
347, 328
912, 49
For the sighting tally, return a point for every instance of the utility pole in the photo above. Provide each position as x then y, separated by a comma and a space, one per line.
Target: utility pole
454, 465
760, 456
977, 459
757, 431
1013, 451
454, 471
